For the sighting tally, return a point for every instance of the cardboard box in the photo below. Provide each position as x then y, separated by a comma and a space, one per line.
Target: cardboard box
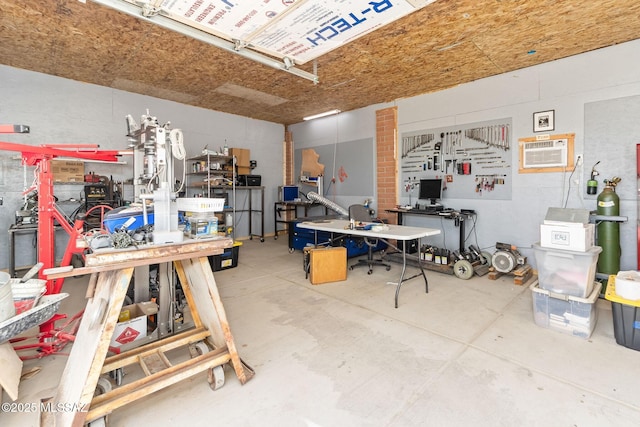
242, 160
568, 236
327, 265
135, 328
67, 171
242, 156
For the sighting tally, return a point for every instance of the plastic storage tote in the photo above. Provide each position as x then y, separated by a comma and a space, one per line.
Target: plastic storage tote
626, 317
568, 314
567, 272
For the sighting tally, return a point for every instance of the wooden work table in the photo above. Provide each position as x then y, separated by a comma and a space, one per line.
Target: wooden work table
111, 271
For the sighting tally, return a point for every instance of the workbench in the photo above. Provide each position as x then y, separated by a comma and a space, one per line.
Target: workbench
387, 233
459, 219
210, 339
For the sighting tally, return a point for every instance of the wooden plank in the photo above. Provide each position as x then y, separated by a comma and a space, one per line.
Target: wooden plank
154, 363
55, 274
172, 342
211, 310
81, 373
520, 275
159, 253
108, 402
11, 370
188, 295
522, 270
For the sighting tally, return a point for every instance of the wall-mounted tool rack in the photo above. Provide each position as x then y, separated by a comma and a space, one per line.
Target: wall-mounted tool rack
474, 160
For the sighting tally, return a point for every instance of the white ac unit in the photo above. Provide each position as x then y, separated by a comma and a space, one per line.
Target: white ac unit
545, 154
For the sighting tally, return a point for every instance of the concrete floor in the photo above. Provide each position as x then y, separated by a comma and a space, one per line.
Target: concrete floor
468, 353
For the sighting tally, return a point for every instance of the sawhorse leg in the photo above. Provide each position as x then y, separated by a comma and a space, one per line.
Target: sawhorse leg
203, 297
81, 373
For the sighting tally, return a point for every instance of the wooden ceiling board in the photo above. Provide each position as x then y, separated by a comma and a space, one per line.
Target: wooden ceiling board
444, 44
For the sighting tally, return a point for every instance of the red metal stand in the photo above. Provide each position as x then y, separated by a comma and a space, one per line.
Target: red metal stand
50, 340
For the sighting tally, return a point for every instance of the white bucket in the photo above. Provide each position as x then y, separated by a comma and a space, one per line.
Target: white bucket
7, 309
26, 295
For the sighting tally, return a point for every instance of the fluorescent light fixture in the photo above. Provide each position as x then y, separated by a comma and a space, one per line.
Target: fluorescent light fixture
317, 116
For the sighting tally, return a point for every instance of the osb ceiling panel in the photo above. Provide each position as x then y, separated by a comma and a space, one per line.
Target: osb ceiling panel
447, 43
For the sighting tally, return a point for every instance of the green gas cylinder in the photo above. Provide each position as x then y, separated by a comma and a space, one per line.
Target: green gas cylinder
609, 231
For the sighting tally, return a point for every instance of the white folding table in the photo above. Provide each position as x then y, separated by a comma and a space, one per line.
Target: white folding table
389, 232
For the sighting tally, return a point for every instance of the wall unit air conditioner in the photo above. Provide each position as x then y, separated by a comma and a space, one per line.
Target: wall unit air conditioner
545, 154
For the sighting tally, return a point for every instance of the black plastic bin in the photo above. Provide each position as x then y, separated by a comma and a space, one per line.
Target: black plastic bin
228, 259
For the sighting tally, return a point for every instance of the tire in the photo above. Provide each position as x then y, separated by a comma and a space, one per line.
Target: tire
463, 269
486, 258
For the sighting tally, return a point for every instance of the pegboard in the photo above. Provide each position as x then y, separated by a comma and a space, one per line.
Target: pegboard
473, 160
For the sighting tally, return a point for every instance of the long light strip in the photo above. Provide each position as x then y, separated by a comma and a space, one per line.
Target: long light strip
317, 116
170, 24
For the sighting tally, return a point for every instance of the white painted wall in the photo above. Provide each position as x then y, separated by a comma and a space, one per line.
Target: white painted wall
564, 86
61, 111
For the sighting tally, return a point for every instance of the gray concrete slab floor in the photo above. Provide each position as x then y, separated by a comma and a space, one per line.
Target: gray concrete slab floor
339, 354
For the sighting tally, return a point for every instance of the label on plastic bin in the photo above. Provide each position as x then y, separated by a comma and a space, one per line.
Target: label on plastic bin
636, 324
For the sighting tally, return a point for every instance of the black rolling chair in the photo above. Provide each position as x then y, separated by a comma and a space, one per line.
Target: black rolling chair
360, 213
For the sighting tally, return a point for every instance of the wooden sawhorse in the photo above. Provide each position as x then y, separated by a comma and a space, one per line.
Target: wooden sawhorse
111, 272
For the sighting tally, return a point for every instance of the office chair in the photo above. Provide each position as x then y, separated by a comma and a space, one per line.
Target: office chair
361, 213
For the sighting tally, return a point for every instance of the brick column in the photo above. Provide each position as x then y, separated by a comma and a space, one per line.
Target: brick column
386, 135
288, 172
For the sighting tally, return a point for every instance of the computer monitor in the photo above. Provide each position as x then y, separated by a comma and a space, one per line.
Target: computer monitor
430, 189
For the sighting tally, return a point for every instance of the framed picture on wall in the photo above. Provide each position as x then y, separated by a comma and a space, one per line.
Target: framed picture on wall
544, 121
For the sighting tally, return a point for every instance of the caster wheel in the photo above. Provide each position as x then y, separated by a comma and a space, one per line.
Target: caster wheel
103, 386
117, 376
370, 271
250, 237
216, 377
351, 267
463, 269
262, 240
275, 237
291, 250
388, 267
100, 422
198, 349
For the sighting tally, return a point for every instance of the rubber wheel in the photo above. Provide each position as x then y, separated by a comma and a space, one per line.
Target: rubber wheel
388, 267
291, 250
103, 386
100, 422
463, 269
198, 349
117, 375
275, 237
216, 377
486, 258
